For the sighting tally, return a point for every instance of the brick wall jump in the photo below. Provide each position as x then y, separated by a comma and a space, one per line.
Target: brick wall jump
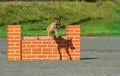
14, 42
40, 48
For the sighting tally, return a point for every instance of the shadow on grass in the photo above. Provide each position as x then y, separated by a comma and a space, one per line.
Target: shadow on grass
85, 20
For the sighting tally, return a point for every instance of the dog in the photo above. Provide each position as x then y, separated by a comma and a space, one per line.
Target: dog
53, 27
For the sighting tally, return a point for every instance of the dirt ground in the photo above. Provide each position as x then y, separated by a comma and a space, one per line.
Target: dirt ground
99, 57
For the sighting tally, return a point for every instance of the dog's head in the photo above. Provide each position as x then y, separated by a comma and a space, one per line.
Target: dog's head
57, 22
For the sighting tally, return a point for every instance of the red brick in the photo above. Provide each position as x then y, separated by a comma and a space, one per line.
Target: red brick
73, 34
73, 26
11, 37
10, 58
31, 56
17, 45
9, 45
14, 34
74, 41
14, 52
23, 59
57, 42
76, 37
14, 41
13, 55
37, 52
30, 38
37, 42
17, 30
24, 46
26, 42
31, 46
77, 47
77, 58
17, 38
24, 56
71, 50
55, 52
53, 57
36, 59
69, 30
77, 31
40, 46
47, 51
52, 46
47, 59
18, 58
13, 48
64, 53
65, 57
14, 26
26, 52
75, 54
47, 42
10, 31
42, 57
76, 50
26, 49
77, 44
56, 59
36, 48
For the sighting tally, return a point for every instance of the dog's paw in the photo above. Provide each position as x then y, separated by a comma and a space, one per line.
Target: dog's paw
48, 38
57, 36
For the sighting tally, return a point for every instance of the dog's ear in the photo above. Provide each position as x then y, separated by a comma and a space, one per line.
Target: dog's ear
55, 18
60, 17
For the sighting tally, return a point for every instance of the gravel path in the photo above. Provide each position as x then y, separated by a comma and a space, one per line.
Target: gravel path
100, 56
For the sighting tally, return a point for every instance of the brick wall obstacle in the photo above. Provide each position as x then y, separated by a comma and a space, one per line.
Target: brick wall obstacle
14, 43
39, 48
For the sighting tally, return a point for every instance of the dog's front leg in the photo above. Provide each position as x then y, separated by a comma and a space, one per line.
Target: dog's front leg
56, 33
48, 36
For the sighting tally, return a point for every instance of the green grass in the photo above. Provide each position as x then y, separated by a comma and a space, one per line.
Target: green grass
98, 28
38, 31
3, 31
95, 19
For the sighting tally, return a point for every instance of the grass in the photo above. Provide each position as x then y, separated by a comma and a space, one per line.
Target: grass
38, 31
3, 31
98, 28
95, 19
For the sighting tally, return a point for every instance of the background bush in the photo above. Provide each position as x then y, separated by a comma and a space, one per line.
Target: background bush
72, 12
38, 15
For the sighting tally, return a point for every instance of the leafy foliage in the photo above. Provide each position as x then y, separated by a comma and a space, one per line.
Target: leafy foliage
95, 18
